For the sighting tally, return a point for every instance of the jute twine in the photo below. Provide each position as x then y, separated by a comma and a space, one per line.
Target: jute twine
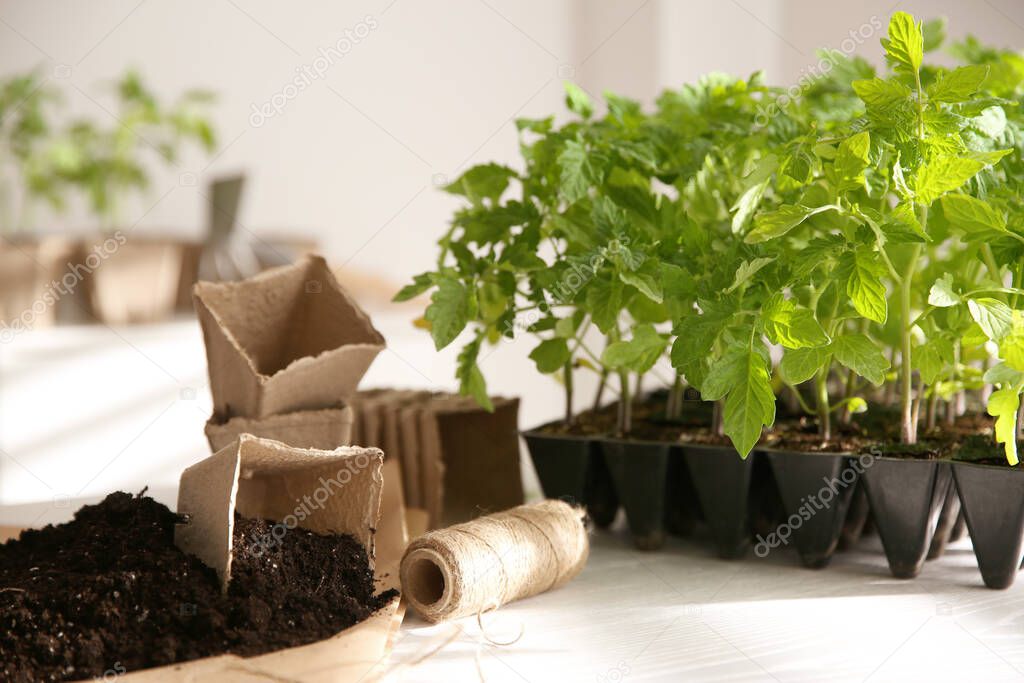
477, 566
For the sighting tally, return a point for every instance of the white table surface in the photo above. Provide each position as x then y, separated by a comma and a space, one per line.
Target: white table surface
88, 410
681, 614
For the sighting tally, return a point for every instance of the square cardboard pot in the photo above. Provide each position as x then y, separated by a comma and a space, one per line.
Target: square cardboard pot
263, 478
139, 280
817, 489
480, 454
321, 429
27, 266
906, 497
573, 469
287, 339
639, 471
993, 505
722, 480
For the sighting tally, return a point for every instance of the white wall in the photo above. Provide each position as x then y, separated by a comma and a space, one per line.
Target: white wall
432, 88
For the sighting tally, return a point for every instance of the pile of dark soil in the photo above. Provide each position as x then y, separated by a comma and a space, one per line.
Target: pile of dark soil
109, 591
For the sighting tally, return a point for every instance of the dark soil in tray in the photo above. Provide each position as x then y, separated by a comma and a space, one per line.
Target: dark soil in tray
984, 451
922, 450
109, 591
649, 421
801, 435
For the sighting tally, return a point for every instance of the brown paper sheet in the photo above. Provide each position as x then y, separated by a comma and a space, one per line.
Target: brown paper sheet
355, 655
266, 476
285, 340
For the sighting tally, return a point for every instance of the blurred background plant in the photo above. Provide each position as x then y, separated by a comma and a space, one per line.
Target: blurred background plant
27, 105
106, 163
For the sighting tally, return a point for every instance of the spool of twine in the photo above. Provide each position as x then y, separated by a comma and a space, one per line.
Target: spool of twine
469, 568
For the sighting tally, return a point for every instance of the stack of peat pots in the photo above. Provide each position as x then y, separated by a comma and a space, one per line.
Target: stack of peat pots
286, 350
816, 501
458, 460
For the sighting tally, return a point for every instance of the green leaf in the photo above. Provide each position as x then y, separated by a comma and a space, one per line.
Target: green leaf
646, 280
799, 365
933, 358
696, 337
942, 294
903, 227
639, 354
904, 46
991, 122
493, 301
746, 271
550, 355
958, 85
1002, 373
1003, 405
777, 223
420, 283
1011, 349
577, 100
791, 326
993, 316
852, 159
604, 299
864, 285
943, 175
881, 95
487, 181
677, 283
578, 173
448, 312
934, 31
971, 215
566, 327
725, 374
471, 380
860, 354
857, 405
750, 405
746, 205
